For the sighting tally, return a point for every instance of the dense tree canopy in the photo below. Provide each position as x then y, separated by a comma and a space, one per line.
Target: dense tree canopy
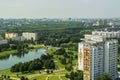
37, 64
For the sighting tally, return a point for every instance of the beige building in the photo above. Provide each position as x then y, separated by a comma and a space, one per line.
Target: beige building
29, 36
10, 35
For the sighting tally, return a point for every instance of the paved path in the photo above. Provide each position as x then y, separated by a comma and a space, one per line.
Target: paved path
33, 75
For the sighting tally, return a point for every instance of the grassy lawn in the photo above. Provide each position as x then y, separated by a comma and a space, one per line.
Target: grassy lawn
36, 46
7, 53
6, 71
50, 51
39, 78
62, 72
63, 78
53, 77
58, 64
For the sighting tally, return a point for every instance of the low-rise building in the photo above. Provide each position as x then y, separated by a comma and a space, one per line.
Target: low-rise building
9, 35
29, 36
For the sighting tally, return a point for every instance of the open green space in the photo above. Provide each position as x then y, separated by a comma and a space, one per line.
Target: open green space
53, 77
37, 46
42, 77
63, 78
7, 53
6, 71
50, 77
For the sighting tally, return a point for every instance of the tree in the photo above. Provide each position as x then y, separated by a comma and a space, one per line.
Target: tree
104, 76
72, 75
68, 67
78, 75
66, 75
30, 68
22, 78
63, 60
49, 64
60, 51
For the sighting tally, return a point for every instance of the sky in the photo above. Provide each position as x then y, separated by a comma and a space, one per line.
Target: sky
59, 8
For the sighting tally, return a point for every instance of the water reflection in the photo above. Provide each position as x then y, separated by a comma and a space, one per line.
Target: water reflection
8, 61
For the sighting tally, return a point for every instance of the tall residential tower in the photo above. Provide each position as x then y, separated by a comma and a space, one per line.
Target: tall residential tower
95, 57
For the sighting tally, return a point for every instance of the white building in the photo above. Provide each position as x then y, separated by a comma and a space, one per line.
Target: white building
96, 57
29, 36
107, 34
110, 58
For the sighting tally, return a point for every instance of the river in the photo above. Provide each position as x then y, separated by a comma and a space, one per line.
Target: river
13, 59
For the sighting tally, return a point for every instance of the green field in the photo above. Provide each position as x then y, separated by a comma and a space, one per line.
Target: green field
39, 78
49, 77
7, 53
36, 46
53, 76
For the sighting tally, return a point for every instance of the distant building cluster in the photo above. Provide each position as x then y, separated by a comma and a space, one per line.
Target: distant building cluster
25, 36
97, 55
86, 21
107, 34
102, 22
14, 36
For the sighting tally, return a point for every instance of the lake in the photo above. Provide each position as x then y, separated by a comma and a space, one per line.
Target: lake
13, 59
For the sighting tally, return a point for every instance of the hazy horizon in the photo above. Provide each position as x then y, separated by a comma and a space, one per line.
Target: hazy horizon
59, 8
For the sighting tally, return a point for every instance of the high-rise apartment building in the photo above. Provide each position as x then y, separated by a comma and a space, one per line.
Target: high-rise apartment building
29, 36
110, 58
95, 57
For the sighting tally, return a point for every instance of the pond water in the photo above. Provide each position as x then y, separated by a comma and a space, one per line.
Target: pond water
25, 57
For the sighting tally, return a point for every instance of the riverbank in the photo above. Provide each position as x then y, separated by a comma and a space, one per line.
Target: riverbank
59, 66
4, 54
7, 53
38, 46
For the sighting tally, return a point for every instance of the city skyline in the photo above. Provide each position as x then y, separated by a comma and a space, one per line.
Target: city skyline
59, 9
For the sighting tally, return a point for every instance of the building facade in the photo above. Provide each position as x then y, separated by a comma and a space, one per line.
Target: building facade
110, 58
29, 36
95, 57
107, 34
10, 35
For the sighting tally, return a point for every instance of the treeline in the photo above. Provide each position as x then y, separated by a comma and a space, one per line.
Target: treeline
45, 61
4, 47
20, 46
55, 33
